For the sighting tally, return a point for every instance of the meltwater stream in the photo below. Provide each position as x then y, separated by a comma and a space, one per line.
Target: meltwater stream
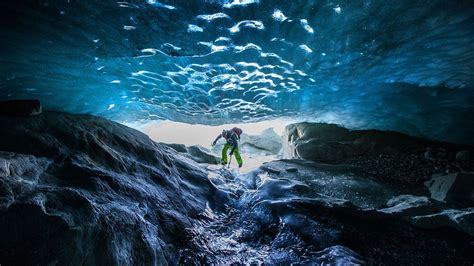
233, 235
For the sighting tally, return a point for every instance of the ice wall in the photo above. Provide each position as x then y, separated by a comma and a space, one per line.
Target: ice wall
400, 65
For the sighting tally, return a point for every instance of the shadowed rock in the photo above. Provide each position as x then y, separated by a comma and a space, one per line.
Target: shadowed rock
197, 153
463, 155
78, 189
388, 155
327, 213
455, 187
329, 142
20, 107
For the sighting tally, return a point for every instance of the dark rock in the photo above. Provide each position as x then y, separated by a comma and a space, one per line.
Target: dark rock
327, 205
78, 189
292, 169
462, 191
20, 107
329, 142
391, 156
202, 155
198, 154
462, 220
463, 155
326, 151
454, 187
429, 155
320, 131
177, 147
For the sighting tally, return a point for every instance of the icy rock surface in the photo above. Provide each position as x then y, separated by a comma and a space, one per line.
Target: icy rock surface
405, 66
84, 190
455, 187
330, 142
403, 203
78, 189
197, 153
294, 211
462, 219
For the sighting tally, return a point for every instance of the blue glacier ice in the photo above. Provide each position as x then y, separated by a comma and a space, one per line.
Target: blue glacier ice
403, 65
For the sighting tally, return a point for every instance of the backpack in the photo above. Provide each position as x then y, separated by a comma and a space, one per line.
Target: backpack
237, 131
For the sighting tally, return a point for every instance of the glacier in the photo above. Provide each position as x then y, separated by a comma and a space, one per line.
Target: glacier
356, 117
404, 65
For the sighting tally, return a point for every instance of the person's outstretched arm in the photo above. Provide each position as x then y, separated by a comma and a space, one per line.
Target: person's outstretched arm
215, 141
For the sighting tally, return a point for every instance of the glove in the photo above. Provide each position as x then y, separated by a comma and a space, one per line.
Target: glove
230, 153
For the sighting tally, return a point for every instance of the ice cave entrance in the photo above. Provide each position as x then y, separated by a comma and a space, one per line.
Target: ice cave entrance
260, 142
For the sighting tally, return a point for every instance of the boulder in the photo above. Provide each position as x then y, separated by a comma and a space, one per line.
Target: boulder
462, 190
404, 204
316, 141
316, 150
177, 147
429, 155
463, 155
197, 153
461, 219
337, 255
330, 142
454, 187
202, 155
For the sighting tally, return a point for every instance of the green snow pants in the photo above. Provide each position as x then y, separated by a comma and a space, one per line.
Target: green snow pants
228, 146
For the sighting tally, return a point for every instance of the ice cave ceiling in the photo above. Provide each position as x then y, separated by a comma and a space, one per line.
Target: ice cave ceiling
404, 65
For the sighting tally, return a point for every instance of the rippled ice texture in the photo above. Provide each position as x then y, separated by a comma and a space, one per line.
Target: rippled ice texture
404, 65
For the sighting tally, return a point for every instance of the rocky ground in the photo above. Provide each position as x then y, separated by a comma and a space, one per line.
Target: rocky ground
412, 168
78, 189
391, 156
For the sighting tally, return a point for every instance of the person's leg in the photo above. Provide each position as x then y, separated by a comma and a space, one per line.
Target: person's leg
224, 153
237, 157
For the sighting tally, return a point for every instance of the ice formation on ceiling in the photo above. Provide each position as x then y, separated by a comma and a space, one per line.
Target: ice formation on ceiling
401, 65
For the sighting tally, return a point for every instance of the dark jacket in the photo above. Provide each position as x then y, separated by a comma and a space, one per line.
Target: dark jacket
231, 138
